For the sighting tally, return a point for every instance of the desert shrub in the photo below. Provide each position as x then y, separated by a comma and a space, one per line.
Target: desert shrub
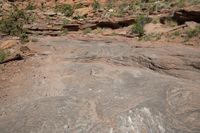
66, 9
96, 5
12, 24
2, 55
24, 37
79, 5
87, 30
30, 6
138, 26
110, 4
194, 2
123, 8
180, 3
66, 21
151, 37
193, 32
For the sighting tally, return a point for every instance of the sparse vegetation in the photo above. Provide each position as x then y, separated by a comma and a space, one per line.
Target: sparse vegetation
87, 30
170, 22
123, 8
13, 23
65, 31
24, 37
66, 21
78, 5
151, 37
192, 33
2, 55
138, 26
96, 5
66, 9
110, 4
194, 2
30, 6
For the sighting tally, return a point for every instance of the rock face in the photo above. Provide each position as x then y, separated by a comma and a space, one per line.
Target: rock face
183, 15
101, 87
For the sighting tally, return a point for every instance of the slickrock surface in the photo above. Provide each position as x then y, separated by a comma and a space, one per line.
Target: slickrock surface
73, 86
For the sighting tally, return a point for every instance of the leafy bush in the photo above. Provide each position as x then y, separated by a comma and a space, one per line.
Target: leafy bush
138, 26
66, 9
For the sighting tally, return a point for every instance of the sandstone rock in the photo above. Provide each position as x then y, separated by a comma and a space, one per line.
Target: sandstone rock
183, 15
154, 28
8, 44
191, 24
72, 27
82, 12
50, 13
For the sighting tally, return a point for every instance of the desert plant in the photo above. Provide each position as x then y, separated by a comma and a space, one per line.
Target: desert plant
13, 23
110, 4
66, 9
123, 8
24, 37
2, 55
78, 5
194, 2
180, 3
66, 21
138, 26
96, 5
87, 30
30, 6
151, 37
193, 32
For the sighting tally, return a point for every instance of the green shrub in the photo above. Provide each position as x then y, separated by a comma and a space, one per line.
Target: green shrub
2, 55
194, 2
193, 32
24, 37
138, 26
79, 5
151, 37
66, 21
96, 5
110, 4
180, 3
66, 9
123, 8
30, 6
87, 30
13, 23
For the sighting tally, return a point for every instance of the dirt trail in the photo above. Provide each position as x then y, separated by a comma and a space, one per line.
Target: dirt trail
101, 86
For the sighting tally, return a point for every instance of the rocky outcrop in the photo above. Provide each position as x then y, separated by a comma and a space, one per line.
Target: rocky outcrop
96, 86
183, 15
